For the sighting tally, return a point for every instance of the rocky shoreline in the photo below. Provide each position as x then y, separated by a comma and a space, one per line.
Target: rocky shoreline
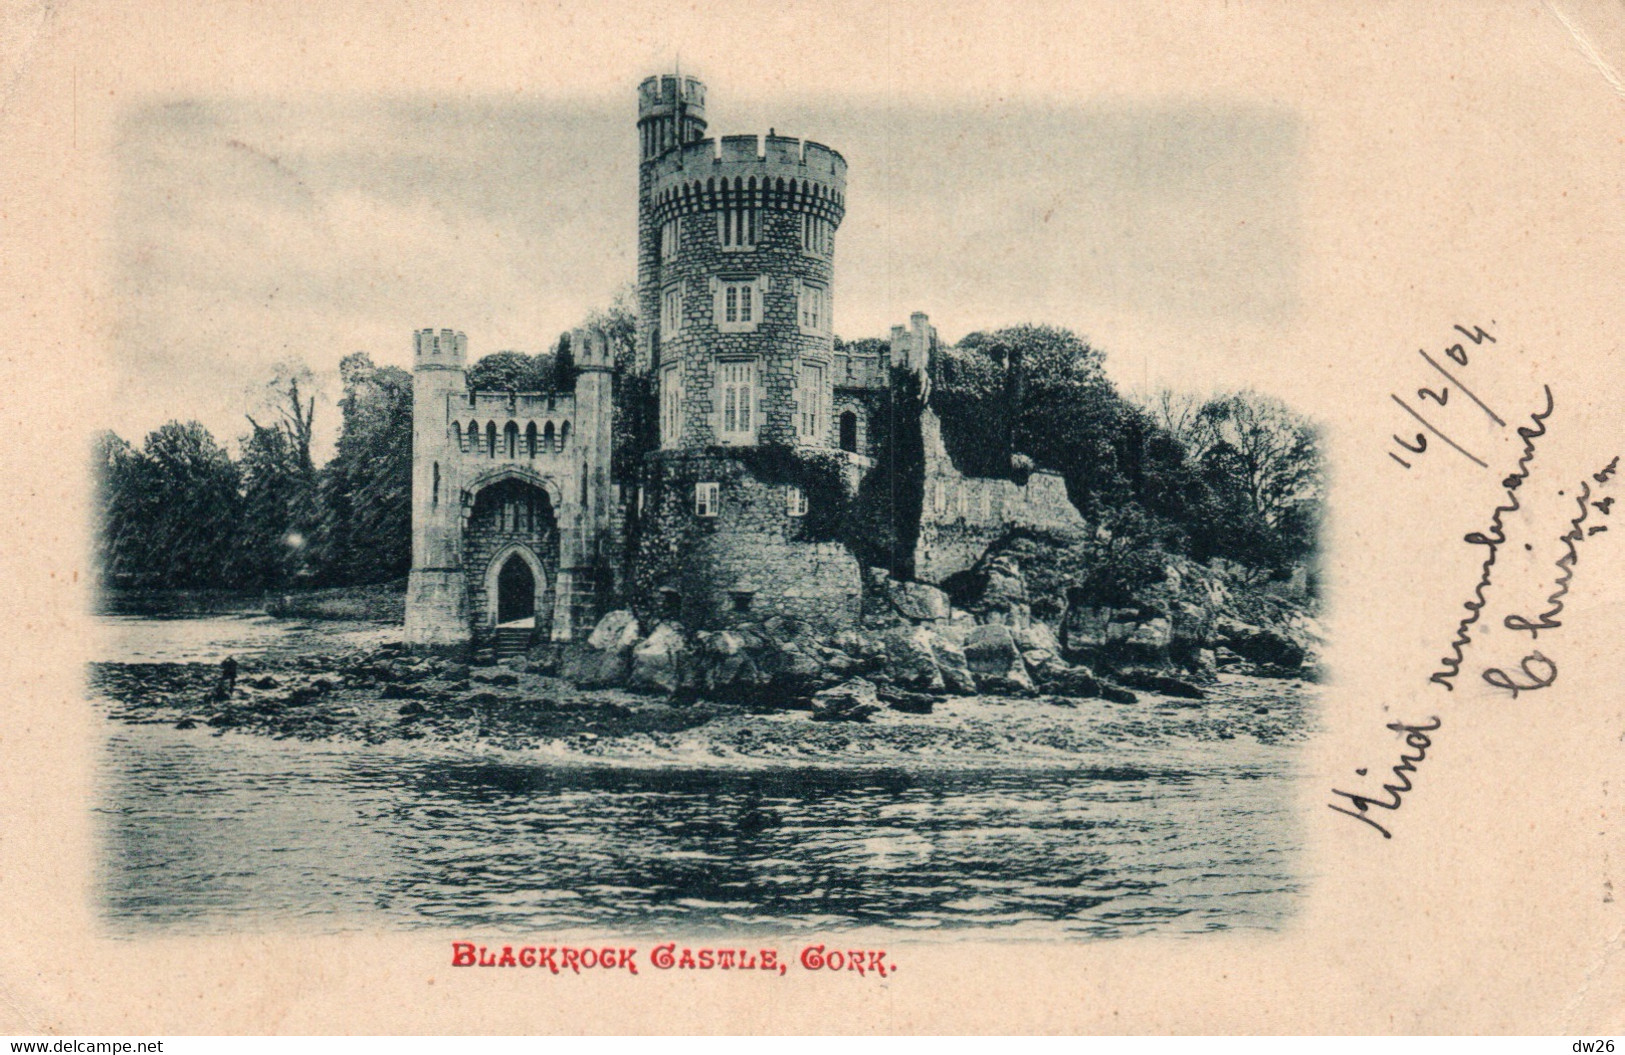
385, 696
923, 679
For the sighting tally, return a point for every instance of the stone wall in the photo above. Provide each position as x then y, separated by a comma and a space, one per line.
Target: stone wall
962, 516
751, 561
777, 345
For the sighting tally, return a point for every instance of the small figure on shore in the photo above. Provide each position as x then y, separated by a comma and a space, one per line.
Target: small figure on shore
227, 684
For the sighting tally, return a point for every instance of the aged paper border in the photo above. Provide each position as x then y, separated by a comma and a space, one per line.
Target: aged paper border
1462, 163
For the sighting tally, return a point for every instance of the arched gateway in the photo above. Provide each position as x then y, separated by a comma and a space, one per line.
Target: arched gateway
511, 551
510, 498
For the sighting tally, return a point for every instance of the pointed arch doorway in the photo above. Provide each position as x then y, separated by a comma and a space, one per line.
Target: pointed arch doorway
511, 545
516, 593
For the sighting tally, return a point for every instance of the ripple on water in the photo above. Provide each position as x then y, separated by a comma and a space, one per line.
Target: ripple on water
215, 834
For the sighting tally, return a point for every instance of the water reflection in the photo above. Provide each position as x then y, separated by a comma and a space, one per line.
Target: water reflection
210, 834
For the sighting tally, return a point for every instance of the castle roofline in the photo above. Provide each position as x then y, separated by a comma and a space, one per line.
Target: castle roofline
745, 155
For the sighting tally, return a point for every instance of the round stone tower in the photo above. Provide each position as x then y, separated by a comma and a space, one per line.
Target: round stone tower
736, 252
735, 269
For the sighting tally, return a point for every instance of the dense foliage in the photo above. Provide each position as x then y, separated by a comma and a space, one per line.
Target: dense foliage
1236, 477
179, 512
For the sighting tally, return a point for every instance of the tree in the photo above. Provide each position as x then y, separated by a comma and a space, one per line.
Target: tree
177, 513
512, 372
365, 531
115, 497
279, 491
1271, 452
1040, 391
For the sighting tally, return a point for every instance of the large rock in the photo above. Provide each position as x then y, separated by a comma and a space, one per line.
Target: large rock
851, 701
991, 649
951, 663
618, 629
996, 662
1062, 679
606, 657
726, 669
911, 659
790, 668
1003, 598
1261, 645
1154, 681
917, 601
658, 665
1036, 636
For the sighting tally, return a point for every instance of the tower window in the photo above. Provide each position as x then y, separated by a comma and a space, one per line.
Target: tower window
817, 234
670, 232
849, 432
795, 502
671, 406
736, 228
705, 499
742, 599
737, 379
738, 304
814, 303
810, 423
671, 310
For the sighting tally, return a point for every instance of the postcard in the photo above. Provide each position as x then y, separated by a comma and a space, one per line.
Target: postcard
817, 518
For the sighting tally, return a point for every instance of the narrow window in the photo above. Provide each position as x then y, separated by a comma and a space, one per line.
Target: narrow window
530, 440
511, 435
738, 381
742, 599
849, 432
737, 305
811, 400
669, 234
435, 498
814, 302
737, 228
671, 406
491, 438
705, 499
671, 311
795, 502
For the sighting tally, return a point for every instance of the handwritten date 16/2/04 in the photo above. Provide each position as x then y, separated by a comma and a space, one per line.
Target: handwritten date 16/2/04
1432, 400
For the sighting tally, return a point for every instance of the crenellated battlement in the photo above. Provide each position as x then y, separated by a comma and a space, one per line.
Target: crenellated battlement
662, 92
591, 350
517, 404
446, 350
773, 171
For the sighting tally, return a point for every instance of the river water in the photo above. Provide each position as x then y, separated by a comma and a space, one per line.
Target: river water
206, 833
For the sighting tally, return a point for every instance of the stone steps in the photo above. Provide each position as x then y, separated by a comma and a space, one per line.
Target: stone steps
509, 642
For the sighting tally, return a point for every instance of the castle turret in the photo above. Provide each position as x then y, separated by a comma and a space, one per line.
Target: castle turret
671, 111
586, 539
437, 610
736, 263
735, 284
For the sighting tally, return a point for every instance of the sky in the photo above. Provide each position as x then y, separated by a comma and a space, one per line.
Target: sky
255, 234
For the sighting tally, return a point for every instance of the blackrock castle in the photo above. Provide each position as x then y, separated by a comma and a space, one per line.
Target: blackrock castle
730, 468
